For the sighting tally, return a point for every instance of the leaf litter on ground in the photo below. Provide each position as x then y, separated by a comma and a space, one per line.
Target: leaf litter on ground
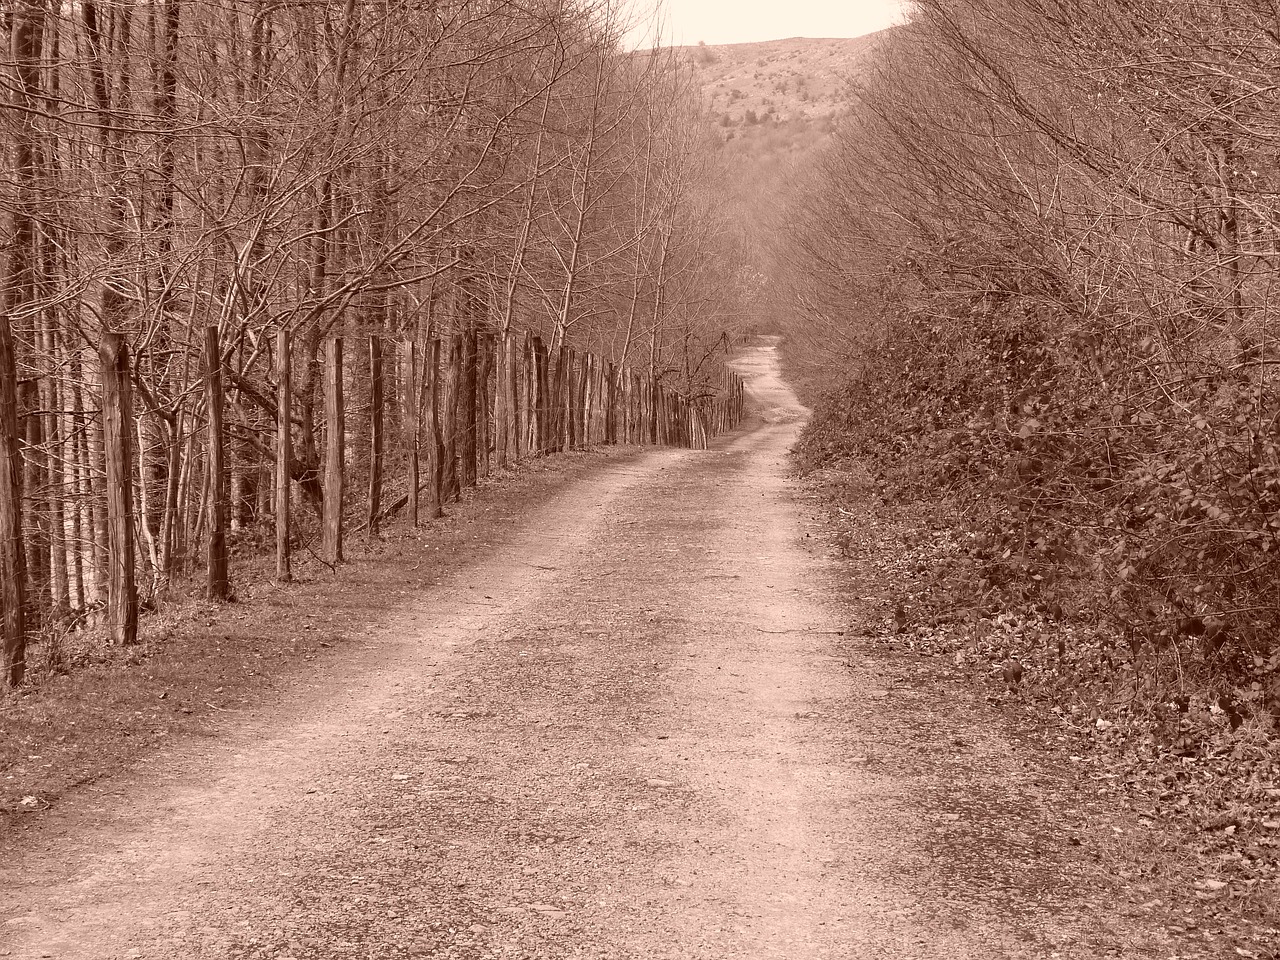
1202, 786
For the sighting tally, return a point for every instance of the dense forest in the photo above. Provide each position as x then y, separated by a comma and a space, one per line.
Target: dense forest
262, 253
1044, 244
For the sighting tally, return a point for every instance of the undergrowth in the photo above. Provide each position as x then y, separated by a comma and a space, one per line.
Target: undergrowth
1086, 483
1203, 787
1088, 521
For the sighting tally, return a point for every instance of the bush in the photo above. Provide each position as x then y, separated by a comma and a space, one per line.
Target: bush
1085, 473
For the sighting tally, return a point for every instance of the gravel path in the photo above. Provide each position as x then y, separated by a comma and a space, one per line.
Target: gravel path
634, 729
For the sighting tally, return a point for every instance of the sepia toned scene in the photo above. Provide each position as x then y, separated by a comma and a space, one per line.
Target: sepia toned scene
522, 479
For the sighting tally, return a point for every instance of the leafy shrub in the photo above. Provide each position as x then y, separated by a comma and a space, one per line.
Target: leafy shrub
1089, 466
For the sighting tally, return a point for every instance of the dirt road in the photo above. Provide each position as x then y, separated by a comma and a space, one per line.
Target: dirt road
635, 729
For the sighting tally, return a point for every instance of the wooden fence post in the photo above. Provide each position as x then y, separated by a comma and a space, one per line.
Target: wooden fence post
117, 428
218, 578
331, 545
284, 452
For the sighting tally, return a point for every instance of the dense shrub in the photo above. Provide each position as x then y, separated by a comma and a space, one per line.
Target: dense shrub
1044, 234
1152, 502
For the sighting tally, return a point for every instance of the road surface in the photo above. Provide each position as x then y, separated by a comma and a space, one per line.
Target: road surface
634, 729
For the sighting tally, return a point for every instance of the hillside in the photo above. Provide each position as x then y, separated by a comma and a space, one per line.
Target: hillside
773, 104
797, 84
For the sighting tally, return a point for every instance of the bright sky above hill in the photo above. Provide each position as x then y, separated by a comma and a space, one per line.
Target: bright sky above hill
750, 21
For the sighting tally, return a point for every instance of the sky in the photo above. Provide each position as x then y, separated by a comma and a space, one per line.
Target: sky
750, 21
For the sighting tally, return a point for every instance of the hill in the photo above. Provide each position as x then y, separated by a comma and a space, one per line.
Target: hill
798, 84
772, 105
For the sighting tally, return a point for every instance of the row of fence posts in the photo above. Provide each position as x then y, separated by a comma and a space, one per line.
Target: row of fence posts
477, 401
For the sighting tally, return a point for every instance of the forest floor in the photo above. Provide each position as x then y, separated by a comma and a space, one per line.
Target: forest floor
623, 707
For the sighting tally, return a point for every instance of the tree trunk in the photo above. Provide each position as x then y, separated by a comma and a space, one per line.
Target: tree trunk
25, 30
655, 411
375, 432
171, 529
510, 373
529, 409
148, 522
484, 368
35, 544
582, 408
588, 397
117, 421
218, 576
334, 453
610, 405
78, 509
557, 399
96, 473
284, 453
435, 444
502, 401
539, 375
467, 407
13, 566
449, 419
413, 424
55, 490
